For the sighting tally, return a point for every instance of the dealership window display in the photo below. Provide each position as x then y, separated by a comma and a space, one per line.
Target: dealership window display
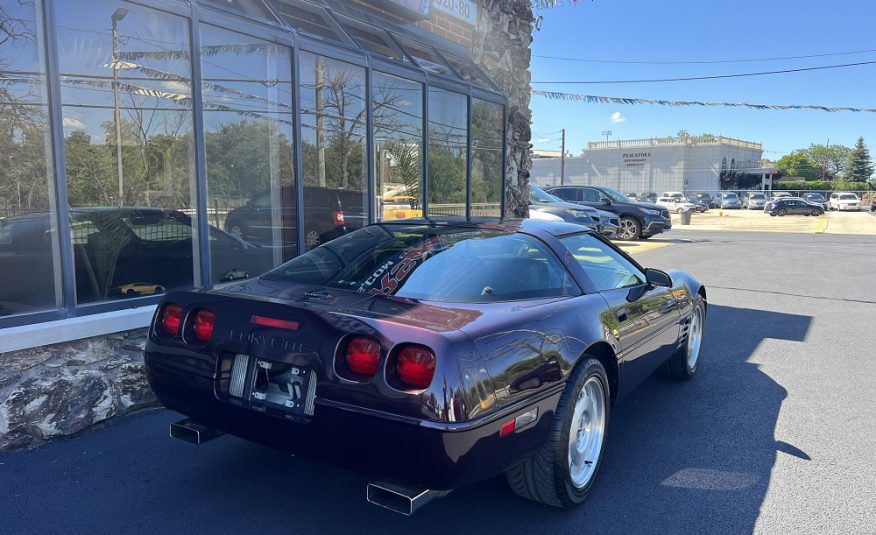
448, 117
159, 145
333, 147
488, 123
248, 119
29, 260
397, 106
128, 145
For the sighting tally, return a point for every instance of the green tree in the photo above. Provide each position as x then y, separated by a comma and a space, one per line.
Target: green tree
860, 166
830, 160
797, 164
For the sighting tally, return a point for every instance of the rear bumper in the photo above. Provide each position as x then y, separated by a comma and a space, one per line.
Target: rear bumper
435, 455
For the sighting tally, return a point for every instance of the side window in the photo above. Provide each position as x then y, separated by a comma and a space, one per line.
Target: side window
605, 267
262, 201
567, 194
589, 195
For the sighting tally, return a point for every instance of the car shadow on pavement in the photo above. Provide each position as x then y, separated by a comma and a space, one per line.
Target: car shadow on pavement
691, 457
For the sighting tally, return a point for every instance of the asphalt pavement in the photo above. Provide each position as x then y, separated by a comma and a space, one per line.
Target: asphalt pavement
776, 434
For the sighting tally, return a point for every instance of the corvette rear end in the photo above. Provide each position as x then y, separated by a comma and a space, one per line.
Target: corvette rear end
372, 383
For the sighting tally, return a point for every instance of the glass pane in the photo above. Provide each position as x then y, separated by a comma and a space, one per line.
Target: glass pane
310, 19
467, 70
126, 100
253, 8
333, 147
426, 56
606, 269
372, 39
247, 88
29, 267
450, 264
448, 117
398, 146
487, 129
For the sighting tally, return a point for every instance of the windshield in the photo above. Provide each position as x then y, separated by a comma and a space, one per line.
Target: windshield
449, 264
730, 196
757, 196
849, 197
539, 195
615, 195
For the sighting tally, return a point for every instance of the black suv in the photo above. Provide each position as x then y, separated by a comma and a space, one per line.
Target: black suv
638, 220
328, 213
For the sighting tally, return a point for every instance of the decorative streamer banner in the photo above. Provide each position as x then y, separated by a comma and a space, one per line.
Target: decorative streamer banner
594, 99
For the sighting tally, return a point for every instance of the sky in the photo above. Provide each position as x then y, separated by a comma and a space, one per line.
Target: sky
688, 30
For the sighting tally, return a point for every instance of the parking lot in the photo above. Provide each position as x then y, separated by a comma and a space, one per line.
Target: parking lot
776, 434
859, 223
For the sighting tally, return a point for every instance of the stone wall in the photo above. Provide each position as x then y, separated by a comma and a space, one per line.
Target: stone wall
501, 49
64, 389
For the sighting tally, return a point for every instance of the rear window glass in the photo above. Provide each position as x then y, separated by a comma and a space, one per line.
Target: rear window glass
458, 265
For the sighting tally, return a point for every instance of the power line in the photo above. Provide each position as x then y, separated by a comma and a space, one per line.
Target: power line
714, 77
703, 62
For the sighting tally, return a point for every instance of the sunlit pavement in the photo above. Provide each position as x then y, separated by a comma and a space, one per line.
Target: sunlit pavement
858, 223
775, 435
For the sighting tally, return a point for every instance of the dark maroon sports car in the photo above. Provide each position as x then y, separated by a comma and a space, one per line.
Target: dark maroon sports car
431, 354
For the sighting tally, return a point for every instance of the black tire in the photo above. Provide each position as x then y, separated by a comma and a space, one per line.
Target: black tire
543, 475
772, 214
782, 212
130, 292
630, 229
816, 212
679, 366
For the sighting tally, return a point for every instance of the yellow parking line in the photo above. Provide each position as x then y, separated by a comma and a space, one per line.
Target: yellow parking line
822, 224
639, 247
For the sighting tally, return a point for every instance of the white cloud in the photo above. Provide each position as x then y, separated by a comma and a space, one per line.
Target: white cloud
616, 117
175, 87
542, 140
73, 124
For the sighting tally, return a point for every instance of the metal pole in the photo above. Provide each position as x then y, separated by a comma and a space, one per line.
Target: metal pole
117, 118
563, 158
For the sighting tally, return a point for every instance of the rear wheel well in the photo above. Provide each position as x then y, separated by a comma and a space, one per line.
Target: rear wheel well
702, 292
605, 354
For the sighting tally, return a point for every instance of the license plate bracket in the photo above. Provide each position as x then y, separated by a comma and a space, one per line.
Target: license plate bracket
288, 387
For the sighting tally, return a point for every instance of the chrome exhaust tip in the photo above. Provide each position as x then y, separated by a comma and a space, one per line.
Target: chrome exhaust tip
193, 432
400, 497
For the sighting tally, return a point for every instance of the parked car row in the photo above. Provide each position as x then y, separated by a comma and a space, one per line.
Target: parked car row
638, 220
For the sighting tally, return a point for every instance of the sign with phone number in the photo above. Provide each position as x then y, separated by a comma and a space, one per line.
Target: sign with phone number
465, 10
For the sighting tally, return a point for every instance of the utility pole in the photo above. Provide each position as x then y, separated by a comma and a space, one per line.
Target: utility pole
607, 134
118, 15
563, 157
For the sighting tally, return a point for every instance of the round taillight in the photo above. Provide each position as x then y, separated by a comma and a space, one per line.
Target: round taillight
415, 366
203, 325
363, 355
171, 319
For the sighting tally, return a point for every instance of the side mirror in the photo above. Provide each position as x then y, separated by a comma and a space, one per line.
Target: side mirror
605, 201
656, 278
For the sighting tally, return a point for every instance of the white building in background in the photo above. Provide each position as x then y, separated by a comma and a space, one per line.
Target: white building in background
654, 164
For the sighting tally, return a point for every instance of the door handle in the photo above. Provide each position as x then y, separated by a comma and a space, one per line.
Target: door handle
622, 316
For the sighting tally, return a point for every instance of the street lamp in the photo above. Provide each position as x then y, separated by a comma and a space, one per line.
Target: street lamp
118, 15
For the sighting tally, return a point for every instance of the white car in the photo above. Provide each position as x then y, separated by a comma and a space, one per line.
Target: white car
675, 204
844, 201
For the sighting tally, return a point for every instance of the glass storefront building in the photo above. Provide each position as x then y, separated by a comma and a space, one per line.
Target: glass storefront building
168, 144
